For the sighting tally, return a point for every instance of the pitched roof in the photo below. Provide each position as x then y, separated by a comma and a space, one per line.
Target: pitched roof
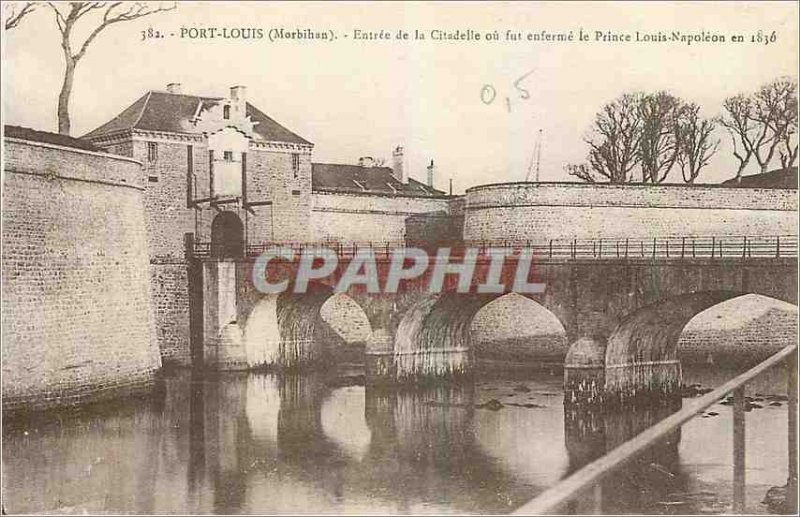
24, 133
372, 180
778, 178
174, 112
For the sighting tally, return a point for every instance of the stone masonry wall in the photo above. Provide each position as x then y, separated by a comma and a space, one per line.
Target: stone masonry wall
76, 314
271, 178
367, 217
745, 344
168, 219
566, 211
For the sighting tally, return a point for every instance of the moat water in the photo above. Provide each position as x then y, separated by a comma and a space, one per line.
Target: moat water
322, 444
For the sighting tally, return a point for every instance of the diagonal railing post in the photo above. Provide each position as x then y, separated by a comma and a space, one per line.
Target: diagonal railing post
791, 388
738, 451
589, 475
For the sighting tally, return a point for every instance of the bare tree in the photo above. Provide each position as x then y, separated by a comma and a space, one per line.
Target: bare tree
581, 171
788, 153
762, 124
694, 141
783, 96
66, 19
614, 140
738, 120
14, 16
776, 110
658, 145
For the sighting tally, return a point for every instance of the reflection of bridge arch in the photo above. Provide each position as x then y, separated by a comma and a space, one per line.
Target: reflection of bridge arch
408, 445
642, 352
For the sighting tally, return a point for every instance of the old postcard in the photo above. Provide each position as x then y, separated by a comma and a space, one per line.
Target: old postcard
399, 258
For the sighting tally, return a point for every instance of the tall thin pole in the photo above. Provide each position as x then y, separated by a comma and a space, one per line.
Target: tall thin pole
538, 155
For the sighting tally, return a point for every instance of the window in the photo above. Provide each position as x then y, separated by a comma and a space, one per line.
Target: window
295, 164
152, 152
228, 156
226, 112
152, 179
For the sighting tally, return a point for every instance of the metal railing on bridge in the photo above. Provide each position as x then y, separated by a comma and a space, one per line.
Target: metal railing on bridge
590, 476
662, 247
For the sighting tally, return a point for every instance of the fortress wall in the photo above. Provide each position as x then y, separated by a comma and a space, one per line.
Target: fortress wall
367, 217
526, 211
76, 315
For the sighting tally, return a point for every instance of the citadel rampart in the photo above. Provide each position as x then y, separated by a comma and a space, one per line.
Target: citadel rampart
76, 313
527, 211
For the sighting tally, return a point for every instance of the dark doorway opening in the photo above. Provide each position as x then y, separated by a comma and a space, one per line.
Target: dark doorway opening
227, 236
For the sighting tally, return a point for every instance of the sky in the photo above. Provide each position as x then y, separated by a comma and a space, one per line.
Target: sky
355, 98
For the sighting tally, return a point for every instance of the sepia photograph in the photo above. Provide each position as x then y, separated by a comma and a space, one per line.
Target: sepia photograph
399, 258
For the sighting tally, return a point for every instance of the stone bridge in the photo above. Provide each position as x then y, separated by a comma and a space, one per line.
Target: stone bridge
623, 304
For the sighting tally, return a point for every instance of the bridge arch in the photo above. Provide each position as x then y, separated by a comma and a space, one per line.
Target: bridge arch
434, 337
285, 331
641, 355
514, 326
345, 317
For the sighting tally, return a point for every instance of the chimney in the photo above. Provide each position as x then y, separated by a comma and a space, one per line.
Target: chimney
239, 99
174, 88
366, 161
431, 170
397, 164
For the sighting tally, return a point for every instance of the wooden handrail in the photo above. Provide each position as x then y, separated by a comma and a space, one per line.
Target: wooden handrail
592, 473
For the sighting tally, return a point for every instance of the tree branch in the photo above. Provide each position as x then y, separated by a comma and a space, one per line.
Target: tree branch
14, 18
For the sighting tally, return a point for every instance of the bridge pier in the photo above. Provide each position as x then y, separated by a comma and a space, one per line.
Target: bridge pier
585, 372
379, 362
223, 346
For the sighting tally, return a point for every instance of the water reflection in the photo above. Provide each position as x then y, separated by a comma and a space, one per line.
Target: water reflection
257, 443
647, 482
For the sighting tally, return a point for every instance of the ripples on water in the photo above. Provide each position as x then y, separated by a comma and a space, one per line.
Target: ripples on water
259, 443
